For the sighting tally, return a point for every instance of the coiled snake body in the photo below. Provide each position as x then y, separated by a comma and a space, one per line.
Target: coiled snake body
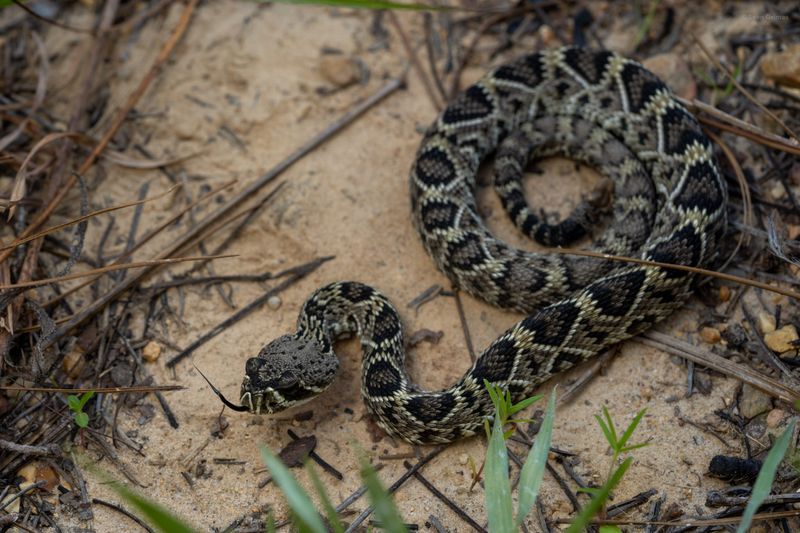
669, 206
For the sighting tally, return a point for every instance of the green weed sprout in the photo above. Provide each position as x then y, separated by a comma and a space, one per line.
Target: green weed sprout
619, 445
499, 507
76, 404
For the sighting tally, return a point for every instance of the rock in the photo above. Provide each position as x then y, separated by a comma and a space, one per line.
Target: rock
775, 417
73, 362
753, 402
151, 351
724, 293
710, 335
783, 67
780, 340
339, 70
274, 302
673, 69
766, 322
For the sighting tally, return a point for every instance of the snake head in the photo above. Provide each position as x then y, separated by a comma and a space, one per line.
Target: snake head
287, 372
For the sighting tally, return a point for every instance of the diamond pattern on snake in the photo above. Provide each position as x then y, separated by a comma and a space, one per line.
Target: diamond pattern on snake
669, 206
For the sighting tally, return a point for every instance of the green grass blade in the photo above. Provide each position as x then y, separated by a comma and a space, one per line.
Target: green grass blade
497, 487
330, 512
517, 407
370, 4
589, 511
631, 428
297, 498
533, 470
384, 508
157, 515
611, 427
763, 484
607, 432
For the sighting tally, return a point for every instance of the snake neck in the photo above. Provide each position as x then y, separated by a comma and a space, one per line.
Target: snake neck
400, 407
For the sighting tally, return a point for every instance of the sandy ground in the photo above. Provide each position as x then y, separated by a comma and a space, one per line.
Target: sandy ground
254, 70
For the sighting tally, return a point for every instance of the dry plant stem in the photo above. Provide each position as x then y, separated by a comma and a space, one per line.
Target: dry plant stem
60, 168
412, 57
744, 91
196, 232
739, 127
112, 268
78, 220
133, 99
98, 390
143, 240
744, 188
683, 349
692, 522
696, 270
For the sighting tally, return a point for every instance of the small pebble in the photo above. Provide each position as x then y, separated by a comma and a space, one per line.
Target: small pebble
775, 417
780, 340
753, 402
766, 322
463, 459
73, 363
710, 335
339, 70
274, 302
724, 293
151, 351
783, 67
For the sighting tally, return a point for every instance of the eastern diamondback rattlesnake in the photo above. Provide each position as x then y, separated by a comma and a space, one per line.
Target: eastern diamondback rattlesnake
669, 206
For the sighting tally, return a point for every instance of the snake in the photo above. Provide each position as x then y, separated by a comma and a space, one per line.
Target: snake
669, 207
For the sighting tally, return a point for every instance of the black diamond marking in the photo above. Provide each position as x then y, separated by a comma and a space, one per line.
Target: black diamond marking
466, 252
527, 71
438, 214
640, 86
699, 190
430, 408
387, 325
473, 104
381, 379
684, 247
552, 324
590, 66
357, 292
680, 131
435, 168
496, 363
616, 295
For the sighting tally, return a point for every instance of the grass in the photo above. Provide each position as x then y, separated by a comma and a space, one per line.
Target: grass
498, 500
499, 505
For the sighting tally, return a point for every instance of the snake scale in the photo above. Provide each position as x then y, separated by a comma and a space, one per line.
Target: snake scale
669, 206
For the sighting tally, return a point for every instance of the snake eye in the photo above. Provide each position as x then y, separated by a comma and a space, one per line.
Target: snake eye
252, 366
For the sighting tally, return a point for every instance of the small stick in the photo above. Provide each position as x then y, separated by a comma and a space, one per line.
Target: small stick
744, 91
299, 272
711, 360
464, 325
111, 268
121, 510
319, 460
98, 390
394, 486
447, 501
412, 57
